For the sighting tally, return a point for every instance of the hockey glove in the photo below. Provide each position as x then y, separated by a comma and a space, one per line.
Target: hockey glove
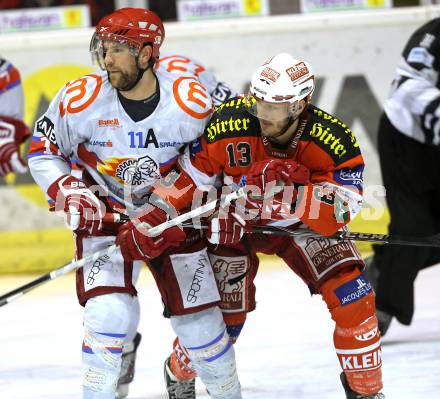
83, 209
273, 171
12, 133
226, 227
264, 176
135, 243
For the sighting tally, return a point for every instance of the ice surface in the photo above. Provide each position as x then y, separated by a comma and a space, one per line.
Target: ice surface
285, 350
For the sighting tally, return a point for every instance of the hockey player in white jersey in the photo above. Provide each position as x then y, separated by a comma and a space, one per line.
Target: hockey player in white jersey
126, 126
13, 131
220, 91
409, 155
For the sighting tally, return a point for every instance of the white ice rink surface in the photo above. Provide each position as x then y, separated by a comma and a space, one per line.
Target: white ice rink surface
284, 352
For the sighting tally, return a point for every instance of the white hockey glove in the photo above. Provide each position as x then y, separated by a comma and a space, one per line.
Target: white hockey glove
83, 209
12, 133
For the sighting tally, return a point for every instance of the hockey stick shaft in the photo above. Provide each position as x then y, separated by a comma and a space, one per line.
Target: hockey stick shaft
18, 292
117, 218
178, 220
429, 241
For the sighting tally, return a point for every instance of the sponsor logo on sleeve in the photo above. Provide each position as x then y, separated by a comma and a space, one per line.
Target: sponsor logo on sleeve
420, 55
221, 93
195, 148
427, 40
242, 182
46, 127
353, 290
349, 177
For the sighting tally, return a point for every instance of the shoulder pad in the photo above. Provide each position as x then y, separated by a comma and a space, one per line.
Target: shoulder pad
79, 94
9, 76
179, 64
331, 135
192, 97
231, 119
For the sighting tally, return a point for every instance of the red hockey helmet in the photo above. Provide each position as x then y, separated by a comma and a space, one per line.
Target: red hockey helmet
134, 27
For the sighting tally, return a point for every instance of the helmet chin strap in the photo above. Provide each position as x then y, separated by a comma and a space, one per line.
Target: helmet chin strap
286, 127
140, 72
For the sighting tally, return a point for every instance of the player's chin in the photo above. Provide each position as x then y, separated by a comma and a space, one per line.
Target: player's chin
114, 79
120, 84
269, 130
266, 126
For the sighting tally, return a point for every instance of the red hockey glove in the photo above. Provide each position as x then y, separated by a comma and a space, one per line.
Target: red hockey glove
83, 209
12, 133
134, 242
263, 176
226, 227
274, 171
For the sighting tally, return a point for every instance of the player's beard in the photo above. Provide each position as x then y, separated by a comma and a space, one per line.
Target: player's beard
122, 80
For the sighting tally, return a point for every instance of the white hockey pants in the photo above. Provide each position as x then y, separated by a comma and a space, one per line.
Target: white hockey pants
204, 336
109, 321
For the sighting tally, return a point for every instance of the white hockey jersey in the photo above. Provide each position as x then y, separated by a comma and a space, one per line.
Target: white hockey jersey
413, 106
11, 91
179, 64
86, 122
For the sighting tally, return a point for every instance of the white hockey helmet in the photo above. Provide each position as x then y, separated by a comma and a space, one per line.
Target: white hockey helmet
278, 86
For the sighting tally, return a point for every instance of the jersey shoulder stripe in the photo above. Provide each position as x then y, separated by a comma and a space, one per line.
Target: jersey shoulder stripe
231, 119
331, 135
9, 76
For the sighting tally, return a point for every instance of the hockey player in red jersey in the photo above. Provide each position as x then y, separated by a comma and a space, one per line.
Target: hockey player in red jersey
13, 131
276, 136
126, 126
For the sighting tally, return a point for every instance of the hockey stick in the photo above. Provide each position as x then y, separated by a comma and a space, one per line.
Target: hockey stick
116, 218
429, 241
18, 292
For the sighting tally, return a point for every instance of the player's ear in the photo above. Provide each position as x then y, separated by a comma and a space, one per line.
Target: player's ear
302, 104
145, 55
